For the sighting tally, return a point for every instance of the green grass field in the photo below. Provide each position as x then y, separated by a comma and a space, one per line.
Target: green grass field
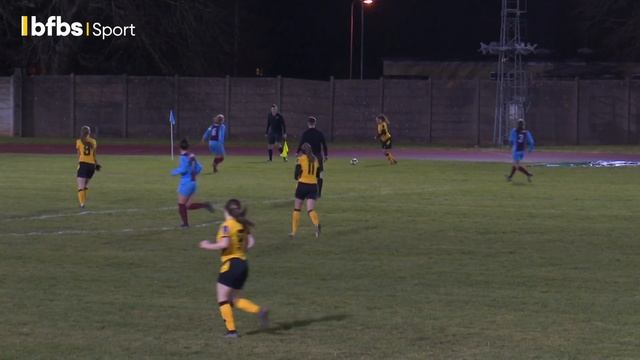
426, 260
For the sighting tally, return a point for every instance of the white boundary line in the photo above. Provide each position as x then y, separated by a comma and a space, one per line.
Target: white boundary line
82, 213
115, 231
131, 230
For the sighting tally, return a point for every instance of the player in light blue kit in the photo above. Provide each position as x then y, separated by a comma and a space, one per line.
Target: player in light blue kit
215, 134
188, 170
519, 139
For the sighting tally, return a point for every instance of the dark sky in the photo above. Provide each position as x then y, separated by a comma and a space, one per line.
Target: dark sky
310, 39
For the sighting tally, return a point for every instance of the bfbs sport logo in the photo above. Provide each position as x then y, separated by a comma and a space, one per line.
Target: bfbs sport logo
54, 26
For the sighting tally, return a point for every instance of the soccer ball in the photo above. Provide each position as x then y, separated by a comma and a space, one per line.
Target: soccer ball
354, 161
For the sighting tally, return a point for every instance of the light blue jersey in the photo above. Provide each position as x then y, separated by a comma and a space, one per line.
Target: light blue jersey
215, 134
519, 140
188, 169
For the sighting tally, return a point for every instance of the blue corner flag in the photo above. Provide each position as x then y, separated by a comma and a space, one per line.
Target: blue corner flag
172, 121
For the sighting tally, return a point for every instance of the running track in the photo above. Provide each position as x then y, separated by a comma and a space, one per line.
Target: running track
470, 154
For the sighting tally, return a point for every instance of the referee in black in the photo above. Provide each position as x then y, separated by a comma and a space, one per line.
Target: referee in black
315, 138
276, 131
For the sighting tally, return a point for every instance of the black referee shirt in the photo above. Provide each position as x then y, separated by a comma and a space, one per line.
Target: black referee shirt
315, 138
275, 124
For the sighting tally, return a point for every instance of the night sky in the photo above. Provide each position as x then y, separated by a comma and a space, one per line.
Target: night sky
310, 39
317, 37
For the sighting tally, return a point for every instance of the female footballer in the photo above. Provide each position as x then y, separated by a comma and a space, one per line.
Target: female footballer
306, 167
215, 135
234, 239
87, 163
520, 138
384, 136
188, 170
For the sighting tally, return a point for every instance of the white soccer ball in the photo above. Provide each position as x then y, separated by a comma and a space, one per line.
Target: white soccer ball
354, 161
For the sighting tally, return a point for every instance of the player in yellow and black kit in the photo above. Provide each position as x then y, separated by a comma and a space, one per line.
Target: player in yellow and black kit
234, 239
87, 163
307, 189
384, 136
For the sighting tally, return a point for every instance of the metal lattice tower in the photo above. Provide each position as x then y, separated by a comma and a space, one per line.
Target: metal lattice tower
511, 87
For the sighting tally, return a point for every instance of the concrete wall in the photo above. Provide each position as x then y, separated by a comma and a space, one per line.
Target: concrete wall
199, 100
552, 116
456, 112
301, 99
408, 107
100, 102
6, 107
602, 115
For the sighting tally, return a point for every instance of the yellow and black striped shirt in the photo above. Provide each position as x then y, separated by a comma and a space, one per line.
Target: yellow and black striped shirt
87, 153
237, 240
383, 132
306, 171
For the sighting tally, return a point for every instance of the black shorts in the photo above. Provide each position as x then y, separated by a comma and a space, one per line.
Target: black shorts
233, 273
306, 191
86, 170
386, 144
274, 138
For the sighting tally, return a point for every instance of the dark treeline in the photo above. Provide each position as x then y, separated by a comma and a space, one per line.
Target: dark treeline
301, 38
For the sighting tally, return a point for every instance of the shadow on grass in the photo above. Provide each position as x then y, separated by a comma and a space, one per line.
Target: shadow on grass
286, 326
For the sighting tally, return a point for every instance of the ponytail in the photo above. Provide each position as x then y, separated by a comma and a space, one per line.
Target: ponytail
235, 209
85, 131
306, 150
384, 119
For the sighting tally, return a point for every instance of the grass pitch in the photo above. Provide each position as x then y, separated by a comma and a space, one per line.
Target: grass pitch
425, 260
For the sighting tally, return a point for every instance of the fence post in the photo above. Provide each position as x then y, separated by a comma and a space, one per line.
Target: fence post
477, 114
176, 103
577, 119
430, 102
125, 106
72, 104
381, 94
16, 100
227, 102
629, 140
279, 92
331, 107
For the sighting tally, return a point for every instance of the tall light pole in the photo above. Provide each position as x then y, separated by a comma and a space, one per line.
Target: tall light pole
353, 3
368, 2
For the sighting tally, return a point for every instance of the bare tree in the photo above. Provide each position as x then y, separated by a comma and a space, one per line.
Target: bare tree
171, 36
611, 26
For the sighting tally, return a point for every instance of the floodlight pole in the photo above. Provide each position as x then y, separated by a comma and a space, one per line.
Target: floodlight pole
351, 35
351, 42
361, 41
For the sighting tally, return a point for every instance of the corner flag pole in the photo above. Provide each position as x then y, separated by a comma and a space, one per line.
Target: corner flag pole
172, 121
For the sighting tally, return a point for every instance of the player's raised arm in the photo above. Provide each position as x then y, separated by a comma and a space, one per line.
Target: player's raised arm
223, 243
183, 168
206, 135
325, 150
297, 171
530, 141
251, 241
